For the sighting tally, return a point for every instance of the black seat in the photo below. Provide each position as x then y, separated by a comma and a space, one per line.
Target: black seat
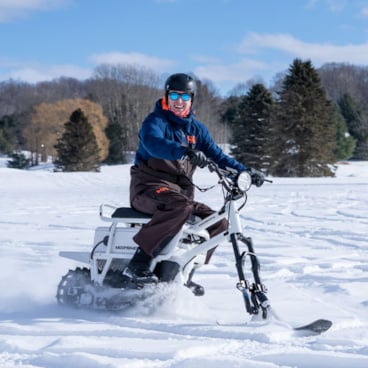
128, 212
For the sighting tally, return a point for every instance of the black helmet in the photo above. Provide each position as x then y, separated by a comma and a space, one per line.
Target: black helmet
180, 82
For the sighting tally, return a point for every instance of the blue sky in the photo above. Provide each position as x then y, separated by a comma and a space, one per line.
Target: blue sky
225, 41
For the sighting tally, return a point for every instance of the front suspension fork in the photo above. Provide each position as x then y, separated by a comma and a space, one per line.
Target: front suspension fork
254, 294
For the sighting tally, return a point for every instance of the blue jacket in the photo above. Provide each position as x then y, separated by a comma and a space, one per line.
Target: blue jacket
165, 136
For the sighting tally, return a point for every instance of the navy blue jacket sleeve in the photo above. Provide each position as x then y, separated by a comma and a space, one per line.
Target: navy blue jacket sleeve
154, 143
209, 147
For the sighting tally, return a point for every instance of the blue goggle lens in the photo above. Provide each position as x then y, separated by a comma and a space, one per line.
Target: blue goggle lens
175, 96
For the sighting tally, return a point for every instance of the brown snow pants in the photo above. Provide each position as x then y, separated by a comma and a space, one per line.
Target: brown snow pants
169, 209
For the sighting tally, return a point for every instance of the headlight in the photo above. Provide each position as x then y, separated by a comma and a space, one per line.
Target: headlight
244, 181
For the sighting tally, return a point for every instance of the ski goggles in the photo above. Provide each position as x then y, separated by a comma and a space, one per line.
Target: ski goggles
184, 96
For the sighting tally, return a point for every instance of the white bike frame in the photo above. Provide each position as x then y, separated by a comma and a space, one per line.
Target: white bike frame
114, 244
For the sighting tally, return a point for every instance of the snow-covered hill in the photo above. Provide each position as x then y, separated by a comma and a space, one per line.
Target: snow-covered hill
311, 238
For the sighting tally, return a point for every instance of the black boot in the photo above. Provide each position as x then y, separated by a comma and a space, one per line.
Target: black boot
138, 269
197, 290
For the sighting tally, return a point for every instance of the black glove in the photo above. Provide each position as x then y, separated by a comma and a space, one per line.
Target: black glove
258, 177
197, 158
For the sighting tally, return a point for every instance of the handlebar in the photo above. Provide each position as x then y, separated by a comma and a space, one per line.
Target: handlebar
227, 177
213, 167
228, 172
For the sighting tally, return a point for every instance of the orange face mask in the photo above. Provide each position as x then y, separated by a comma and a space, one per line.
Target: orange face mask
164, 104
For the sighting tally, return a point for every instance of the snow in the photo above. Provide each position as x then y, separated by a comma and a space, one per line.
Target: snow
310, 235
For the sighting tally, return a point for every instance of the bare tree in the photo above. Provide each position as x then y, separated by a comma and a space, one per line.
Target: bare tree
207, 104
127, 94
340, 78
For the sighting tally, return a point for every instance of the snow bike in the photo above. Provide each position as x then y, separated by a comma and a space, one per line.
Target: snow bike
100, 286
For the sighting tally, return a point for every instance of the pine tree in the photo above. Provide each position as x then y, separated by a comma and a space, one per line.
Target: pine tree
18, 161
345, 143
117, 137
77, 149
357, 122
251, 128
304, 138
7, 134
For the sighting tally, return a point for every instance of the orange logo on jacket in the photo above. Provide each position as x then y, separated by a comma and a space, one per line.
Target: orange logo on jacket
162, 189
192, 139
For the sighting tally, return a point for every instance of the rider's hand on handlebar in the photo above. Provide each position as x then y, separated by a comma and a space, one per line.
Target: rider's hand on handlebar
258, 177
197, 158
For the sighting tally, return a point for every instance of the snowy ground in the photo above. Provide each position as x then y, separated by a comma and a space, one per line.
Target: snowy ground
311, 238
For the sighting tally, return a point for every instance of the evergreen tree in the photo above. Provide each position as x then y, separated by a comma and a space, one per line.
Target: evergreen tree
18, 161
345, 143
230, 110
357, 122
77, 149
304, 138
7, 134
251, 128
117, 137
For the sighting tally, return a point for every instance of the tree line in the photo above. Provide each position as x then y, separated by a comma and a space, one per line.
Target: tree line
300, 126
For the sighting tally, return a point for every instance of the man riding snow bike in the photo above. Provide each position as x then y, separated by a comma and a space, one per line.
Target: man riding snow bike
172, 143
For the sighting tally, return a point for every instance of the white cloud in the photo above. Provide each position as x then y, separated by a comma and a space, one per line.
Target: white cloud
273, 53
240, 71
34, 74
152, 62
318, 53
13, 9
364, 12
311, 4
334, 6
